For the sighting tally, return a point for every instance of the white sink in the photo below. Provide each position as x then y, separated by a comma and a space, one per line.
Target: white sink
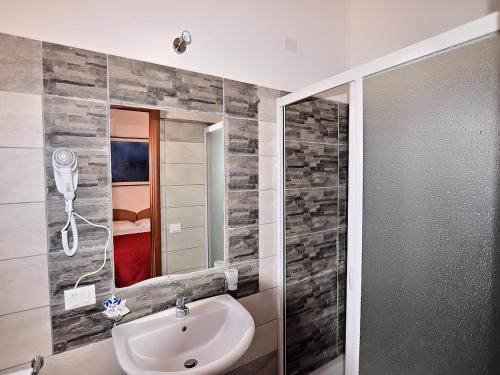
216, 333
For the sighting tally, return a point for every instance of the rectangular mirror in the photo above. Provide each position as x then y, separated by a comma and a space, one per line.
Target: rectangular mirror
168, 192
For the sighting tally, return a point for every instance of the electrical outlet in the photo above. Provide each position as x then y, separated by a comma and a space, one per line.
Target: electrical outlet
175, 228
82, 296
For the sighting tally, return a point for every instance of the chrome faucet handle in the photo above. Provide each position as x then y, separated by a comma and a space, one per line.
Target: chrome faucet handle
181, 309
180, 302
36, 365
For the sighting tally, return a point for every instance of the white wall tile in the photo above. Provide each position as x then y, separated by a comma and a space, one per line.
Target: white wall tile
184, 152
163, 217
267, 240
186, 259
267, 172
267, 206
188, 238
267, 273
20, 120
264, 341
24, 284
181, 131
187, 216
162, 152
261, 305
180, 196
163, 196
23, 335
98, 358
22, 172
23, 230
163, 259
185, 174
163, 174
267, 103
267, 139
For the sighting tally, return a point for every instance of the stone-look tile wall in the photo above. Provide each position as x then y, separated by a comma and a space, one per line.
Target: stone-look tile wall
246, 107
316, 218
52, 96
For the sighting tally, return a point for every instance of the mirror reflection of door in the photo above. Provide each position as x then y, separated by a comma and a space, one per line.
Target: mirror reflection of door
134, 162
168, 192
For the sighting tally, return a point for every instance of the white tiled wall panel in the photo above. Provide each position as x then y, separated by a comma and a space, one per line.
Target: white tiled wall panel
267, 240
23, 230
267, 273
24, 334
20, 120
22, 171
24, 284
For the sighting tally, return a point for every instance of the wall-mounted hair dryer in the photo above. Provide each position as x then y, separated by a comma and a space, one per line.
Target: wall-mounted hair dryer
66, 175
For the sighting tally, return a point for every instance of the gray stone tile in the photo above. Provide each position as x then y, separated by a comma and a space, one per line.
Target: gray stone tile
96, 210
343, 123
311, 323
81, 125
242, 208
312, 298
152, 297
312, 120
243, 244
342, 206
93, 171
311, 345
78, 327
341, 311
310, 255
248, 279
265, 365
75, 123
241, 136
242, 172
65, 271
311, 165
74, 72
200, 92
139, 82
343, 165
21, 62
310, 210
241, 99
342, 249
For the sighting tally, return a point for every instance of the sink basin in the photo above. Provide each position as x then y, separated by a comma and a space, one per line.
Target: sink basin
215, 334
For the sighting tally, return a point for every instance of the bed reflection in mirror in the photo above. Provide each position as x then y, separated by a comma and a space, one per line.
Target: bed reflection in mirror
168, 192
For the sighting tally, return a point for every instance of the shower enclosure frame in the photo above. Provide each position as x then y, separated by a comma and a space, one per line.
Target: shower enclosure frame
354, 78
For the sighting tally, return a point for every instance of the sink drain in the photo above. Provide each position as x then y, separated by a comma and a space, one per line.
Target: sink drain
190, 363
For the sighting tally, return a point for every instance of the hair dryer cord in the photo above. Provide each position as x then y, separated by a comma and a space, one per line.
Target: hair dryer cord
105, 248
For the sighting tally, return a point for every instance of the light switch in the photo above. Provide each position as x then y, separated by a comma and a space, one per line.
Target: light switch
82, 296
175, 228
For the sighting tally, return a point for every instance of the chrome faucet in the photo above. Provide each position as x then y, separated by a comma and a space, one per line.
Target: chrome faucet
181, 309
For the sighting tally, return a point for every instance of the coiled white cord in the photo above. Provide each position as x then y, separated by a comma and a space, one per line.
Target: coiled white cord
105, 248
64, 235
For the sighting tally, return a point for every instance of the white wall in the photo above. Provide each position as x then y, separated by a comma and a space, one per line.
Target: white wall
242, 40
134, 198
378, 27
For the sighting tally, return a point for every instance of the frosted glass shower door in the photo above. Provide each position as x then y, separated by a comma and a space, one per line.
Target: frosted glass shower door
430, 300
